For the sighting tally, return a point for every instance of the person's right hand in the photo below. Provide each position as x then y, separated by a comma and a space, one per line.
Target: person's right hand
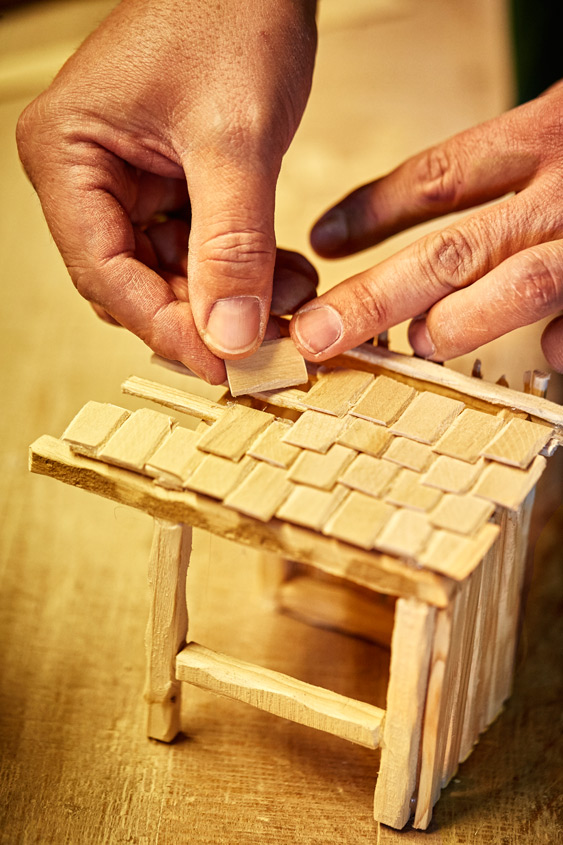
181, 107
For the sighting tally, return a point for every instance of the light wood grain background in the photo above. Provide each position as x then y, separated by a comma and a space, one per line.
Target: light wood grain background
393, 76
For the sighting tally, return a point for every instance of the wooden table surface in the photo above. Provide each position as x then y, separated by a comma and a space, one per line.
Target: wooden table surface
393, 76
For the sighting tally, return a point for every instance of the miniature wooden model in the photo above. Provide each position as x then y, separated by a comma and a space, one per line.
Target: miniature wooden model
394, 474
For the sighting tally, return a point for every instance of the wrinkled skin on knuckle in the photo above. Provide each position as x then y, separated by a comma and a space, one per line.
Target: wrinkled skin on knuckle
448, 259
241, 253
369, 309
538, 285
438, 179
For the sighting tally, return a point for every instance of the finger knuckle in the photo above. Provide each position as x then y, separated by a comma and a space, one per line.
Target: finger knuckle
370, 308
240, 253
448, 258
438, 178
538, 286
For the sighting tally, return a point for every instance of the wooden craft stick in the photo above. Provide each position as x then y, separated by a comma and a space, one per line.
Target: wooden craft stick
275, 364
171, 397
281, 694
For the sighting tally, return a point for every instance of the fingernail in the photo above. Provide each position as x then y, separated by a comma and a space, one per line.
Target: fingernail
318, 328
234, 324
420, 340
330, 232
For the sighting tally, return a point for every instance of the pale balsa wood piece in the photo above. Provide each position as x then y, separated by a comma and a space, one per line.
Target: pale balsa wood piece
461, 514
469, 434
136, 440
384, 401
310, 507
406, 534
271, 448
508, 486
487, 687
409, 453
289, 400
336, 391
175, 458
216, 476
235, 431
369, 475
518, 443
452, 475
407, 491
281, 694
92, 427
386, 574
427, 417
456, 555
261, 493
338, 608
167, 626
450, 381
359, 519
365, 436
171, 397
318, 470
411, 648
275, 364
314, 430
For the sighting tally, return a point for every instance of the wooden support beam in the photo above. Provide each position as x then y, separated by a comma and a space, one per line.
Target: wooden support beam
281, 694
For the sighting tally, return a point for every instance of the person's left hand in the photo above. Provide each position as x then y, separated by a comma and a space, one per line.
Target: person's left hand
496, 270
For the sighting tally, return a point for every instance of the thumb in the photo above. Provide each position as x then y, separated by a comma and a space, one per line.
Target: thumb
232, 251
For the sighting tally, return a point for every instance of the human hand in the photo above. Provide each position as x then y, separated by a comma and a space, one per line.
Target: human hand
497, 269
182, 108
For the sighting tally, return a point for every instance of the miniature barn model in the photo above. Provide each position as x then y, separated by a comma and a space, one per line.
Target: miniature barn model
391, 473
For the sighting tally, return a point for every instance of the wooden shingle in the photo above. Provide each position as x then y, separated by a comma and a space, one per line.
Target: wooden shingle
518, 443
508, 486
409, 453
336, 391
385, 401
271, 448
314, 430
461, 514
275, 364
310, 507
427, 417
359, 519
406, 534
234, 432
322, 471
92, 427
369, 475
365, 436
468, 435
175, 458
216, 477
136, 440
452, 475
407, 491
261, 492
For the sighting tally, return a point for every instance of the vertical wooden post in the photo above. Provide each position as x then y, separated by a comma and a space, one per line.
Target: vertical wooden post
167, 626
411, 648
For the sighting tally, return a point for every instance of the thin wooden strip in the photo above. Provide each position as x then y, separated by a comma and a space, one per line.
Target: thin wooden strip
281, 695
92, 427
275, 364
322, 471
310, 507
406, 534
261, 493
411, 648
134, 442
365, 436
487, 713
359, 519
455, 555
369, 475
386, 574
384, 401
289, 399
427, 417
271, 448
407, 491
468, 435
409, 453
314, 430
171, 397
217, 477
518, 443
452, 475
175, 458
508, 486
461, 514
234, 432
336, 391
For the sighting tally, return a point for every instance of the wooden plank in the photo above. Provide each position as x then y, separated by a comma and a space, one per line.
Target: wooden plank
50, 456
518, 443
461, 514
385, 401
427, 417
456, 555
411, 648
452, 475
175, 458
365, 436
508, 486
406, 534
310, 507
171, 397
281, 695
336, 391
275, 364
136, 440
271, 448
92, 427
234, 432
167, 626
409, 453
314, 430
318, 470
469, 434
261, 493
217, 477
359, 519
407, 491
369, 475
